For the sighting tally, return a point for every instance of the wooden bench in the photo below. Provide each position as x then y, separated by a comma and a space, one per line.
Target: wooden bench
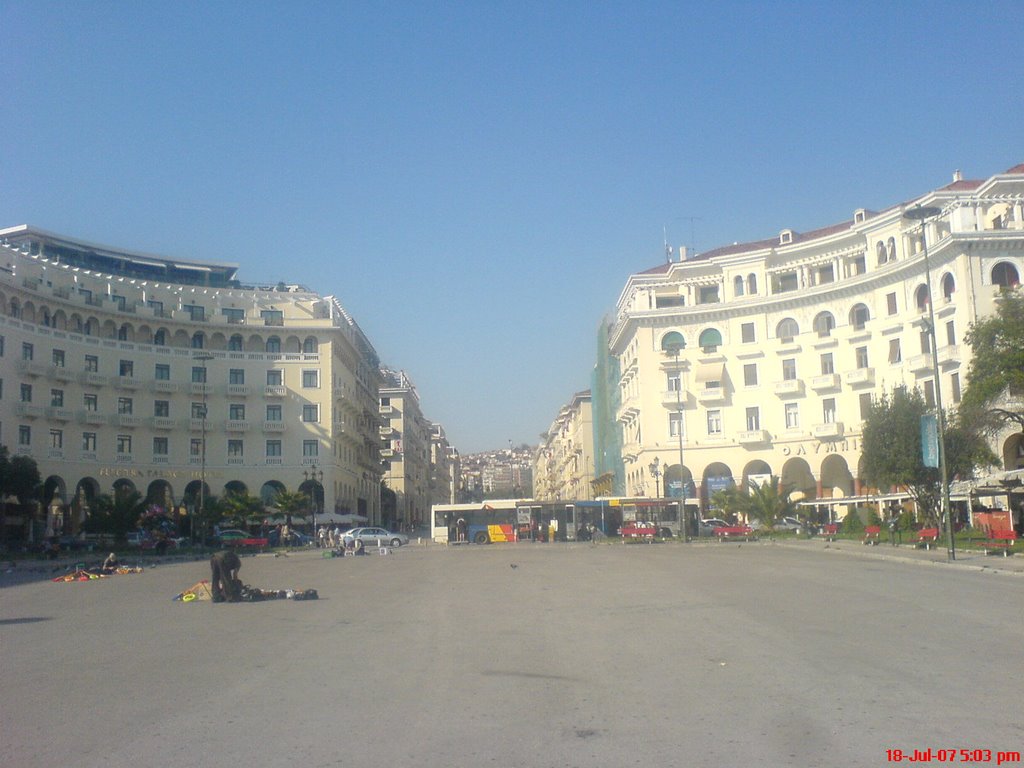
734, 532
871, 534
830, 531
1000, 540
927, 536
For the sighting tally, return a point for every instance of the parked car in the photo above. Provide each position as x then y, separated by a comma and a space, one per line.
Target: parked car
788, 524
715, 522
370, 537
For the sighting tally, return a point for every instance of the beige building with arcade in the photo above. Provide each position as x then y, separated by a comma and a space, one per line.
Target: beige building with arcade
787, 340
405, 449
122, 369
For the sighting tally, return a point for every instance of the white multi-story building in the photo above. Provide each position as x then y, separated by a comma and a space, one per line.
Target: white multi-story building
444, 467
563, 465
785, 341
125, 369
406, 440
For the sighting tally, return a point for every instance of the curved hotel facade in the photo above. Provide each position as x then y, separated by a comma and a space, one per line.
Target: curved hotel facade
127, 369
785, 341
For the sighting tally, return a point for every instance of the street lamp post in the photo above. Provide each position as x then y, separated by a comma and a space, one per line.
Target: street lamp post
314, 475
673, 349
922, 214
655, 469
204, 359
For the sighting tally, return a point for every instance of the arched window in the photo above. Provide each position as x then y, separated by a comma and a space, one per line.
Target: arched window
160, 338
859, 316
198, 340
235, 343
948, 287
122, 333
309, 345
1005, 275
787, 329
890, 247
823, 324
752, 284
737, 286
921, 298
880, 250
673, 342
710, 340
274, 345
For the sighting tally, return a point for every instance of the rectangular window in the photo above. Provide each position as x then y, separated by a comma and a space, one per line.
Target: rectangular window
272, 317
786, 282
926, 342
163, 372
56, 439
675, 421
198, 374
89, 442
27, 351
862, 357
156, 306
198, 410
865, 406
750, 375
160, 446
26, 393
673, 380
827, 364
826, 274
56, 398
747, 333
235, 448
275, 377
126, 368
954, 384
310, 379
273, 448
890, 303
91, 402
708, 294
273, 413
236, 376
311, 412
195, 446
236, 412
124, 444
714, 422
58, 358
929, 393
195, 312
162, 409
118, 301
753, 419
310, 448
828, 410
24, 436
951, 333
789, 369
233, 315
92, 364
792, 415
124, 406
895, 354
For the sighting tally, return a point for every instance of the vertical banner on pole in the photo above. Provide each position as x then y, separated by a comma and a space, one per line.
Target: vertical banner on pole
930, 440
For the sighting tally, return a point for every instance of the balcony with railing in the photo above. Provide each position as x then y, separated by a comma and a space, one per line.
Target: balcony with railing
29, 411
788, 387
825, 382
752, 437
860, 376
275, 390
921, 363
273, 426
711, 394
238, 390
162, 422
236, 425
828, 430
164, 386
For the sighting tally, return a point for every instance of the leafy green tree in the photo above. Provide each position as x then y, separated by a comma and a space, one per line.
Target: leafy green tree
242, 509
116, 515
770, 502
19, 476
288, 503
995, 379
891, 450
731, 502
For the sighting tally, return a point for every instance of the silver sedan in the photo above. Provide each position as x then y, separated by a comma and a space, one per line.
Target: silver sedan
375, 537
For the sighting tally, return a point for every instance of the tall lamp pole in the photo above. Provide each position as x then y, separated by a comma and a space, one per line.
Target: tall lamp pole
922, 214
655, 469
204, 359
314, 475
673, 348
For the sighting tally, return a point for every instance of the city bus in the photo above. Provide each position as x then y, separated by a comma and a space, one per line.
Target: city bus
494, 520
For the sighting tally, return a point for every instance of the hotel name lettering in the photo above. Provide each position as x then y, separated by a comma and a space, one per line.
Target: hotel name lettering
159, 474
821, 447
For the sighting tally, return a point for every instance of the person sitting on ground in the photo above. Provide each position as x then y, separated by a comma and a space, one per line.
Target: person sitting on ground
110, 565
225, 585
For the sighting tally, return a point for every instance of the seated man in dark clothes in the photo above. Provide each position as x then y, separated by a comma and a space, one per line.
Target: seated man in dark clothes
224, 580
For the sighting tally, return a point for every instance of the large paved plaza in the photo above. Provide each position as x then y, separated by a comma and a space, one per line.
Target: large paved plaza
519, 655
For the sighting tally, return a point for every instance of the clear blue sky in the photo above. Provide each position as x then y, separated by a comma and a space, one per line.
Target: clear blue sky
475, 181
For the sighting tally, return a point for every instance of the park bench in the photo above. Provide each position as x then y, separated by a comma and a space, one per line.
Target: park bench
871, 533
830, 531
734, 532
927, 536
1000, 540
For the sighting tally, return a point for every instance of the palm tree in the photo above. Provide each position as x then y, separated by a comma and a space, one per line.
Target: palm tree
770, 502
117, 514
290, 503
242, 508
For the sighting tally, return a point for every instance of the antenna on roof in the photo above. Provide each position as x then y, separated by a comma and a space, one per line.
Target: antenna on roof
668, 248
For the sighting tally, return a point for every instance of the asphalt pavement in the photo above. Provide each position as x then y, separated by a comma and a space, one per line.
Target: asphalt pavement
796, 653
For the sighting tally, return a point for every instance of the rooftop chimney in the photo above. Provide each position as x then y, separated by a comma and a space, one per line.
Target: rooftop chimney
957, 176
